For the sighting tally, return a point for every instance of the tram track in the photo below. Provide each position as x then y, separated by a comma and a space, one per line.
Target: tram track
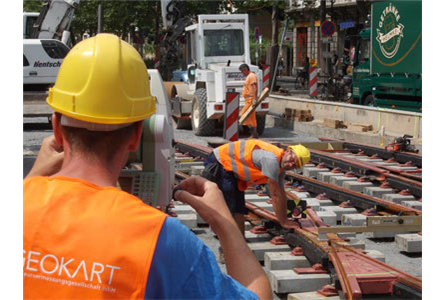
335, 254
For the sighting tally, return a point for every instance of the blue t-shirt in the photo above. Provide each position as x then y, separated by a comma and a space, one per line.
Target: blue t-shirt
184, 268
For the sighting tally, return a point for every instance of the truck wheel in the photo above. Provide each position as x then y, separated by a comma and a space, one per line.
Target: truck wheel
370, 101
179, 123
260, 124
200, 124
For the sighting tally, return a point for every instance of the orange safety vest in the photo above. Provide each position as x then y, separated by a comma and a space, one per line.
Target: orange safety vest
236, 157
83, 241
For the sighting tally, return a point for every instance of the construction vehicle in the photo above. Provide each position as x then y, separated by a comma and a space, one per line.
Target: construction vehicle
216, 46
388, 62
52, 22
45, 39
41, 62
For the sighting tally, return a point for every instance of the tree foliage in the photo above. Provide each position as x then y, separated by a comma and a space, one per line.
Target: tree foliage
120, 17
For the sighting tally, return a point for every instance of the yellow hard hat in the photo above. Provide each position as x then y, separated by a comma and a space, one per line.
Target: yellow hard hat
302, 153
103, 80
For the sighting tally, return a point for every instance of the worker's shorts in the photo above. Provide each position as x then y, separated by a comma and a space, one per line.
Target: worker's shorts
228, 184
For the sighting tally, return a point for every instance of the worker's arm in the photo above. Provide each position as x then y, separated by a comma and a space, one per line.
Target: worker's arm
205, 197
279, 202
49, 160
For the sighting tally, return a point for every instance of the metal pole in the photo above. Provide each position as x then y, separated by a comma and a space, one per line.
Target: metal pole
100, 18
279, 51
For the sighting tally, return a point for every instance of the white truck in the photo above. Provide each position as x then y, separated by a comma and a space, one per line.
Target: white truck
216, 46
41, 61
45, 38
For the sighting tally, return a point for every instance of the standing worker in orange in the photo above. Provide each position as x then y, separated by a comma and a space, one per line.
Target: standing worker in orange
250, 94
83, 238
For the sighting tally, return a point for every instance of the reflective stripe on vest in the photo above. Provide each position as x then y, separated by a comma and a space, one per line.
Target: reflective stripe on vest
82, 241
236, 157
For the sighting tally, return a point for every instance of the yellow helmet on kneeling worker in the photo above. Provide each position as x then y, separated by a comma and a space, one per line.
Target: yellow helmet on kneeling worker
103, 80
302, 153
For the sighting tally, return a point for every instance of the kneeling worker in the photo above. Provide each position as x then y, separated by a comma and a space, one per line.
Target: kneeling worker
234, 165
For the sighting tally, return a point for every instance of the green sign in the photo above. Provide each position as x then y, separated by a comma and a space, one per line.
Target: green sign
396, 37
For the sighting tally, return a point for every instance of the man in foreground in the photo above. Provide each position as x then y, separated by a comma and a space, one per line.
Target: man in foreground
85, 239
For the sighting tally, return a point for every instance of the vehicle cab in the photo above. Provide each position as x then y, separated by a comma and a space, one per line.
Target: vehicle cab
42, 60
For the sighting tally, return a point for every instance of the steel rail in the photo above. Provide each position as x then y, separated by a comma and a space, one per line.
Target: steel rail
358, 199
329, 249
192, 149
401, 180
404, 157
322, 249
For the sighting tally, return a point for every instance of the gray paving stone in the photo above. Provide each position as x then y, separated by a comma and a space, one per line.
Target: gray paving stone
410, 243
338, 180
258, 249
413, 204
189, 220
326, 202
356, 185
324, 176
197, 170
313, 203
284, 261
397, 198
328, 217
377, 191
353, 220
254, 238
313, 171
376, 255
287, 281
339, 211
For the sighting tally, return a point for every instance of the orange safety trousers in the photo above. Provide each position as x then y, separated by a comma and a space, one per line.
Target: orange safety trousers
236, 157
82, 241
249, 93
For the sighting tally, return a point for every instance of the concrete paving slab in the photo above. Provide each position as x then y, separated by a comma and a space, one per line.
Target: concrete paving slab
386, 164
377, 191
301, 195
339, 211
255, 238
342, 153
265, 205
284, 261
376, 255
187, 166
183, 158
183, 209
326, 202
197, 170
413, 204
324, 176
310, 296
396, 198
338, 180
347, 235
410, 243
199, 220
189, 220
399, 168
371, 160
313, 171
258, 249
328, 217
356, 243
255, 198
356, 185
287, 281
353, 220
313, 203
379, 235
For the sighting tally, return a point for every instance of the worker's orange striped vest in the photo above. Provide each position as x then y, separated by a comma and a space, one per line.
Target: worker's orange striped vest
82, 241
236, 157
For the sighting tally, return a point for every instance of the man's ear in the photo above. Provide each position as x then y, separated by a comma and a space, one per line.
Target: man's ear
136, 137
57, 128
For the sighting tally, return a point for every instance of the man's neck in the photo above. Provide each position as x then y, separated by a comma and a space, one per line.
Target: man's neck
97, 171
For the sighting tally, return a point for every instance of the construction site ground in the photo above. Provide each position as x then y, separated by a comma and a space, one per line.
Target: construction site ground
277, 129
